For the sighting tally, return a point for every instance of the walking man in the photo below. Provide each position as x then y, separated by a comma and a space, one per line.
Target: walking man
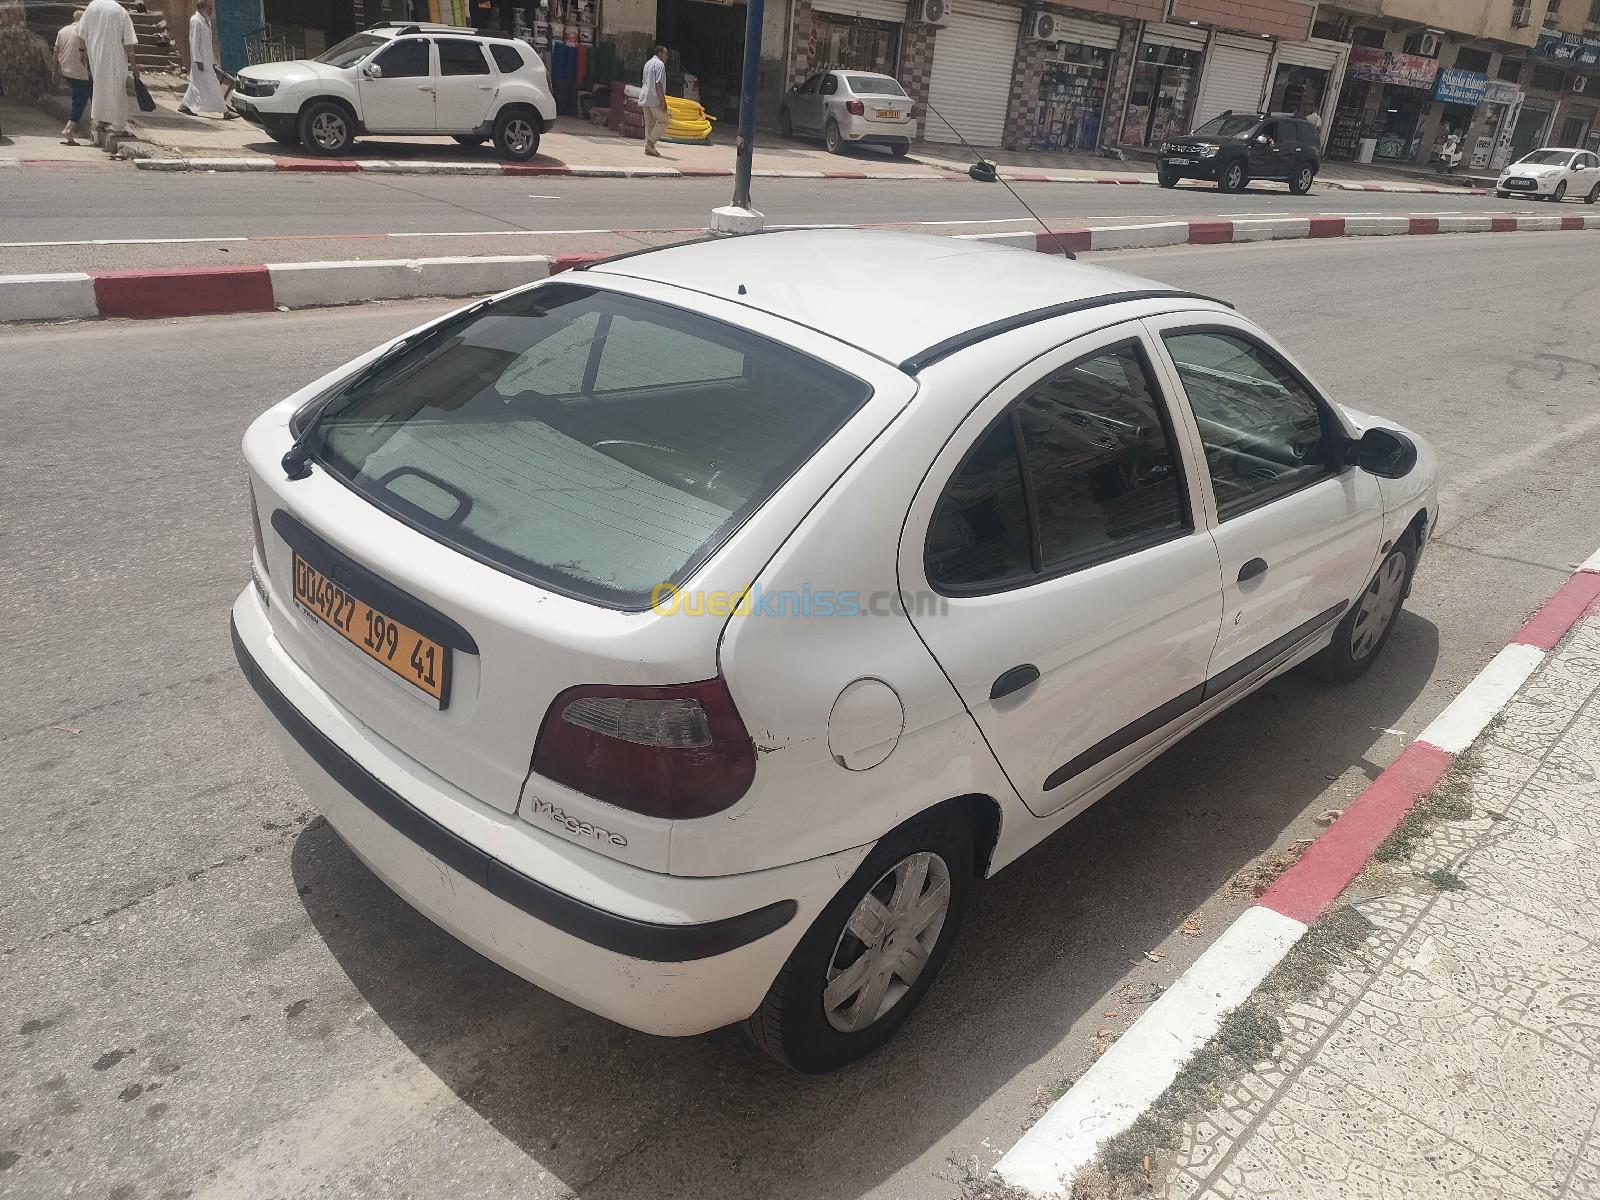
653, 100
109, 38
205, 77
73, 60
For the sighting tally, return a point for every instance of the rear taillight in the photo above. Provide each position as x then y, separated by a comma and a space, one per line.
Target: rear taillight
854, 107
674, 752
255, 525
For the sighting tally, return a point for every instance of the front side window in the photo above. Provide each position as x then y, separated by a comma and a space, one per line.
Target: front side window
407, 59
586, 440
460, 57
809, 87
1080, 469
1263, 432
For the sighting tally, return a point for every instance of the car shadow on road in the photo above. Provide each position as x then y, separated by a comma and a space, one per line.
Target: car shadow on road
613, 1113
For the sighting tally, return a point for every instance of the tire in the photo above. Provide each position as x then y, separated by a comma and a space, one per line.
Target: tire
1234, 178
1594, 194
833, 139
516, 134
468, 139
900, 149
1503, 195
785, 124
794, 1024
327, 128
1560, 194
1353, 651
1166, 178
1300, 183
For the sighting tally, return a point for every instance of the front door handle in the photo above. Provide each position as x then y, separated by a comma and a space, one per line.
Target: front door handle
1014, 680
424, 87
1253, 568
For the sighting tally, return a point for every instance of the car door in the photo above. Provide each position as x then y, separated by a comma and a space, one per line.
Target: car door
1297, 528
466, 85
1266, 151
805, 105
1079, 598
397, 97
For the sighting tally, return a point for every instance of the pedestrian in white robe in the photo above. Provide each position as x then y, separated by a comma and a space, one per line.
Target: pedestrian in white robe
205, 78
109, 37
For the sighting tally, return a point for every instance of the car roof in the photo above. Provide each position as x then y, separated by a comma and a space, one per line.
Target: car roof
897, 296
394, 29
1557, 150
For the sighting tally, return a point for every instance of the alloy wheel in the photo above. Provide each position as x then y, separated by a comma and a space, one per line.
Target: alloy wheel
1235, 178
887, 942
328, 130
1379, 603
519, 135
1303, 181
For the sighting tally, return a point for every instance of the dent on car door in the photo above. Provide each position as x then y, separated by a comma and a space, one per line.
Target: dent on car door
1079, 596
1296, 528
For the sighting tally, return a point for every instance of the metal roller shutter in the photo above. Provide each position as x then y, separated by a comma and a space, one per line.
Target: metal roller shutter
872, 10
1086, 33
1183, 36
973, 56
1236, 73
1324, 56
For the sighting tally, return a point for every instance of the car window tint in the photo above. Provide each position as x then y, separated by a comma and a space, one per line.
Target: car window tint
458, 57
830, 84
1263, 431
508, 58
646, 354
811, 85
1268, 128
980, 532
406, 59
1308, 133
1103, 468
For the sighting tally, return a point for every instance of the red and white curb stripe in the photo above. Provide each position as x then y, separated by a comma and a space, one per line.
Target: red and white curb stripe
207, 291
1133, 1073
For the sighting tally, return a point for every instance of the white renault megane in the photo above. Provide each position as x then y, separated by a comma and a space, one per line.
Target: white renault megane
691, 636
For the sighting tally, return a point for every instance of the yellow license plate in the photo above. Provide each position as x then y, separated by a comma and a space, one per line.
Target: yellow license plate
420, 661
889, 113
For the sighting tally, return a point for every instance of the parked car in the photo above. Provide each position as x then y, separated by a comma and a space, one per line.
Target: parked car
404, 79
1235, 148
850, 108
691, 644
1551, 173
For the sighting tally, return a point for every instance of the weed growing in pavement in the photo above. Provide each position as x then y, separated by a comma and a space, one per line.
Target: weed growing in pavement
1445, 881
1447, 802
976, 1185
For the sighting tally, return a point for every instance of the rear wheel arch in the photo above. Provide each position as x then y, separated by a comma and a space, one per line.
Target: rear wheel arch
983, 816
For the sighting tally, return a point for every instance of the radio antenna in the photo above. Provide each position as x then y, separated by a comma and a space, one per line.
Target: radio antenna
981, 161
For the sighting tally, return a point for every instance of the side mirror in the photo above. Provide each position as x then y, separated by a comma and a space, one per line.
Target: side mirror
1385, 453
372, 71
1261, 139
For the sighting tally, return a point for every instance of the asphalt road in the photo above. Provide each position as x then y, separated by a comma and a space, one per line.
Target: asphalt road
208, 996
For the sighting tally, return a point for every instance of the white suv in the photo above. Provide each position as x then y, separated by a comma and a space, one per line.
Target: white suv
405, 79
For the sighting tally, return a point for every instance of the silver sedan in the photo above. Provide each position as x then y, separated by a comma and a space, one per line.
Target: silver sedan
850, 108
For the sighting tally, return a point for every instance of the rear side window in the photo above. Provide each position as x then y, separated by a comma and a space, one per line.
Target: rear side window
458, 57
406, 59
585, 440
508, 58
1308, 134
1082, 469
1263, 432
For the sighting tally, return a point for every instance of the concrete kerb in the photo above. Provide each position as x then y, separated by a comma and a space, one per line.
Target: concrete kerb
1139, 1067
299, 285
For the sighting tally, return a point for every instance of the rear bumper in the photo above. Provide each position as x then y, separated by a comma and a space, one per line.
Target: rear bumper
679, 956
877, 133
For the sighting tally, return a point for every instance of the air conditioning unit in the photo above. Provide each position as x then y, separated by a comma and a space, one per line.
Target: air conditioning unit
933, 11
1428, 45
1522, 15
1580, 82
1042, 27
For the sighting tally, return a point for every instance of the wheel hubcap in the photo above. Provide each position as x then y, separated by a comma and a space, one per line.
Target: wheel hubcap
327, 130
1305, 180
518, 135
1234, 176
1379, 603
887, 942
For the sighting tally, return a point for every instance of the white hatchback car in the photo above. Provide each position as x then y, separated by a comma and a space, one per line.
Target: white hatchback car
1553, 173
850, 108
692, 646
404, 79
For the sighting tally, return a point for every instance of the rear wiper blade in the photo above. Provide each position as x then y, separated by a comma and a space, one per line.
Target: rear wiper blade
296, 459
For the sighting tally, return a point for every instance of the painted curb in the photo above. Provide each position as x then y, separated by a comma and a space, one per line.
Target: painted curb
207, 291
1133, 1073
436, 167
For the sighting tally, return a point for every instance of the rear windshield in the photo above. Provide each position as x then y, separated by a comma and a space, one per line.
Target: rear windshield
1227, 126
874, 85
352, 50
590, 442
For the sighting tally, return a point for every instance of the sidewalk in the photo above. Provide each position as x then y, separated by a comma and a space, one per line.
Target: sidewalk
1437, 1034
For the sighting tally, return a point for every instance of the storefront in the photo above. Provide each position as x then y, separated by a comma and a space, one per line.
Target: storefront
1404, 88
1458, 93
1577, 120
859, 35
1235, 76
1303, 74
707, 39
1164, 86
1491, 148
974, 57
1074, 78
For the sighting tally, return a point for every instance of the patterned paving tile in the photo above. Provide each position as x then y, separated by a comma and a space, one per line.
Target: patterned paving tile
1548, 878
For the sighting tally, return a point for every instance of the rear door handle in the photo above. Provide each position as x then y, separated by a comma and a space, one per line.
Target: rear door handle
1014, 680
1256, 566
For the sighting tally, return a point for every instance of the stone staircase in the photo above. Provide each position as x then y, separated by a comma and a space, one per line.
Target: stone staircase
156, 52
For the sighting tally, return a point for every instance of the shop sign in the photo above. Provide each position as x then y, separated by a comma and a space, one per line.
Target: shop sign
1391, 66
1568, 47
1500, 92
1457, 86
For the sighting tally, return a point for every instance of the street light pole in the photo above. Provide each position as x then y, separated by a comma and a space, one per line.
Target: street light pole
741, 216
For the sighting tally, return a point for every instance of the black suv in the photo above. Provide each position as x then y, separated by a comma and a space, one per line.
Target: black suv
1235, 148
